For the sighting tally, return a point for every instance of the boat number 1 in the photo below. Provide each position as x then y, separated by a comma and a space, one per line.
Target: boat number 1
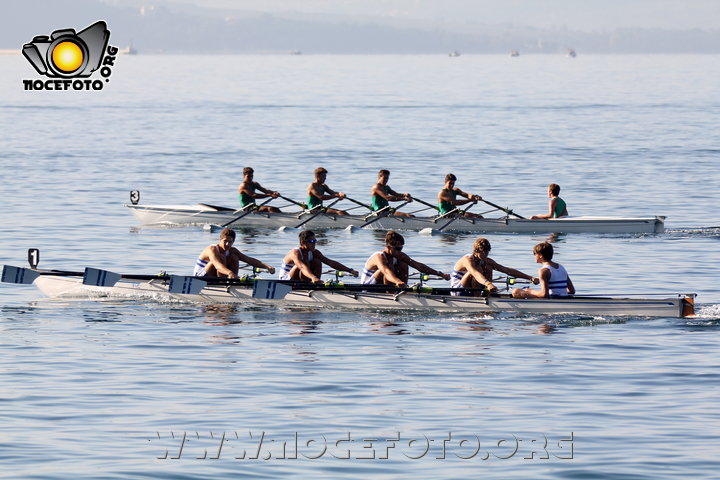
33, 257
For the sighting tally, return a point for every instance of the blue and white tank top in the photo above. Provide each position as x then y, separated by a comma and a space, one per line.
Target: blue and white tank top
558, 281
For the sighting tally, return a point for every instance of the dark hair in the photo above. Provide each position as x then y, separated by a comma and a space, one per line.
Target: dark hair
320, 170
228, 232
450, 177
544, 249
554, 189
383, 172
393, 237
481, 244
305, 235
248, 171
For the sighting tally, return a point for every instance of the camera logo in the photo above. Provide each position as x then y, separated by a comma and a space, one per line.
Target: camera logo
67, 54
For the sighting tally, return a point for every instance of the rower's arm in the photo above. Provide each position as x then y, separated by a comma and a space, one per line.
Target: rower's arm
336, 265
570, 286
551, 209
544, 284
294, 258
478, 275
512, 272
219, 263
255, 262
421, 267
315, 191
469, 196
267, 191
389, 273
395, 196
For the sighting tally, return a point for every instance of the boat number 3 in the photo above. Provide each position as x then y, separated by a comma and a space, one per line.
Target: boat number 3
134, 197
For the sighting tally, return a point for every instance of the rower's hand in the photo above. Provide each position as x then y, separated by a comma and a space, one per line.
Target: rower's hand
353, 272
408, 197
490, 287
271, 270
316, 280
445, 276
232, 275
275, 194
341, 195
401, 284
535, 280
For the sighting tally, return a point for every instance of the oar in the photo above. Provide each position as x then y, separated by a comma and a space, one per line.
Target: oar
249, 211
321, 210
435, 207
301, 205
279, 288
26, 276
359, 203
94, 276
382, 213
506, 210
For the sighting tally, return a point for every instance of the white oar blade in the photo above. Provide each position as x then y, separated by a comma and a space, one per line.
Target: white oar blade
428, 231
270, 290
186, 285
351, 229
20, 275
287, 229
100, 278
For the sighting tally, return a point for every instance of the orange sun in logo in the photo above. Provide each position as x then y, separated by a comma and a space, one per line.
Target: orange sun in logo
67, 56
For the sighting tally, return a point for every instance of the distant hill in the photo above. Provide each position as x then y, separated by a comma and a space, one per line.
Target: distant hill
176, 29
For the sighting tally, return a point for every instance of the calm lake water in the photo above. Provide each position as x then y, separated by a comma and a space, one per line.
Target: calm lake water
126, 389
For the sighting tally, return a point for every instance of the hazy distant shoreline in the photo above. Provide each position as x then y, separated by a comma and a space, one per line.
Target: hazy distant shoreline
181, 29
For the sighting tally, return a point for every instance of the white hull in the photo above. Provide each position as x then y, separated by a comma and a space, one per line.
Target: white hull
156, 290
204, 215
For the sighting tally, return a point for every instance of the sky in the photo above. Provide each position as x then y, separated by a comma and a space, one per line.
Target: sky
572, 14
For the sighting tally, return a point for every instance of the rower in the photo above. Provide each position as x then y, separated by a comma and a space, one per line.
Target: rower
305, 262
382, 194
319, 191
554, 279
223, 260
247, 193
390, 266
558, 207
475, 271
447, 198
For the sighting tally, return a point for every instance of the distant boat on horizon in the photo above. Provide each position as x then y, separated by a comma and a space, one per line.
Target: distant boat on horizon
514, 53
454, 53
571, 53
129, 50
